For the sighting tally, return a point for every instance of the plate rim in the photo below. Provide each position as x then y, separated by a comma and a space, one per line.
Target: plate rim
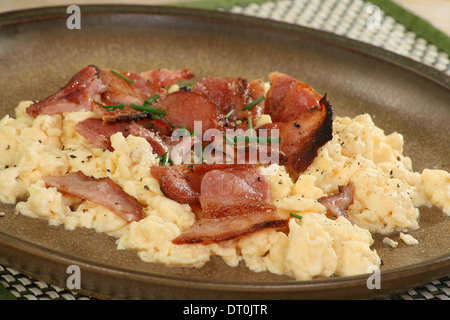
424, 71
379, 53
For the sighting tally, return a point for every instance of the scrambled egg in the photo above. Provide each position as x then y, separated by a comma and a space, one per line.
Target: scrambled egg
387, 196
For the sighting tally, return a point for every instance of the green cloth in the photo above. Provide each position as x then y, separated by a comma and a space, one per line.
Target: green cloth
5, 294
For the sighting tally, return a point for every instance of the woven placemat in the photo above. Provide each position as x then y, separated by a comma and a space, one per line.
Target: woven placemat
378, 22
363, 21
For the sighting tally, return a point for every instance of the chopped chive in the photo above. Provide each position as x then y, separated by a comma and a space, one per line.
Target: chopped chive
229, 113
123, 77
295, 215
254, 103
229, 140
250, 126
151, 99
148, 108
164, 160
114, 106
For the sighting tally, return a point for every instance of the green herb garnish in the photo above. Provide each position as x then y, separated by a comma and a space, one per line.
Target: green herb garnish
253, 103
148, 108
229, 114
122, 76
151, 99
295, 215
229, 140
114, 106
250, 126
165, 159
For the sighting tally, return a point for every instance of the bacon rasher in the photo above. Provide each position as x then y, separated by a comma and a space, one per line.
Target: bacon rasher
232, 95
234, 202
103, 191
337, 204
303, 118
93, 88
78, 94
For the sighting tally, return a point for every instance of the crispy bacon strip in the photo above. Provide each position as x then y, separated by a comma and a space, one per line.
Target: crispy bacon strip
92, 88
102, 191
233, 94
178, 183
183, 108
145, 85
234, 202
304, 120
288, 97
337, 204
99, 134
78, 94
207, 231
182, 183
153, 138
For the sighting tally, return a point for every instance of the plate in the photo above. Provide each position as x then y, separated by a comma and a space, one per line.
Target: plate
39, 54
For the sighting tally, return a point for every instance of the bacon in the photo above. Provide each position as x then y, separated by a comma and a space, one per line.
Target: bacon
337, 204
145, 85
153, 138
229, 189
99, 134
304, 121
78, 94
162, 126
93, 87
178, 183
183, 108
182, 183
207, 231
102, 191
234, 202
233, 94
160, 79
288, 97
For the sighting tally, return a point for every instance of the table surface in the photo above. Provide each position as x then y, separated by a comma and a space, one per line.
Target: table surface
436, 12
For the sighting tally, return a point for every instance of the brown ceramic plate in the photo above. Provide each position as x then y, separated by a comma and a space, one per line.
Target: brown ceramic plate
39, 54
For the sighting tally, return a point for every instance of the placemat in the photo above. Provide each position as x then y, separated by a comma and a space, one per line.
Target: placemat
379, 22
